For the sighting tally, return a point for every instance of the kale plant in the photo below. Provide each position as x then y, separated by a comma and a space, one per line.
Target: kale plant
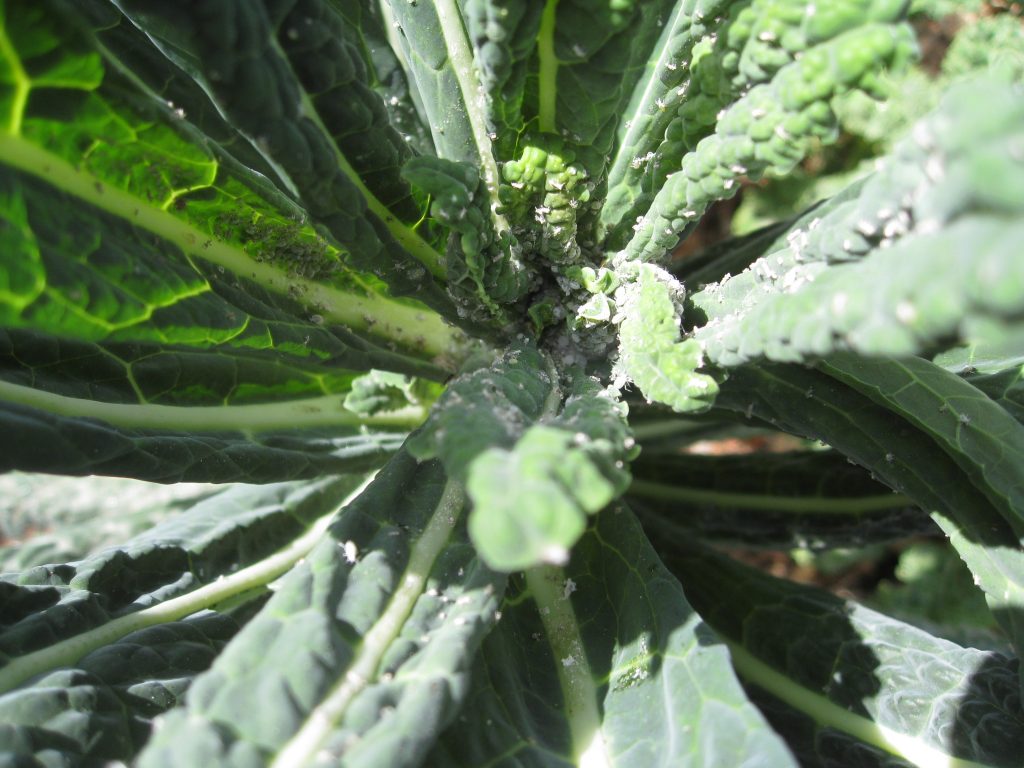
401, 274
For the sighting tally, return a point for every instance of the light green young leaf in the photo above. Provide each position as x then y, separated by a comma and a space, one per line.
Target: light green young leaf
530, 503
604, 663
536, 460
363, 652
381, 392
548, 189
995, 43
651, 354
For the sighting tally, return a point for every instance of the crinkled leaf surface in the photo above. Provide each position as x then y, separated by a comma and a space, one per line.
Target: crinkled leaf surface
536, 460
362, 653
896, 286
237, 237
231, 543
604, 661
101, 709
651, 353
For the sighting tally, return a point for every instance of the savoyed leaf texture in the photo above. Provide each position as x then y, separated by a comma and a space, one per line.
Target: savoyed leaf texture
294, 82
603, 662
964, 283
503, 36
216, 212
644, 156
709, 54
651, 353
362, 653
230, 544
719, 275
386, 73
838, 309
768, 130
101, 710
537, 458
152, 282
401, 272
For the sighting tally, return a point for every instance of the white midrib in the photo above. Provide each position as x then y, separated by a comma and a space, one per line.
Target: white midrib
320, 723
579, 691
68, 651
580, 694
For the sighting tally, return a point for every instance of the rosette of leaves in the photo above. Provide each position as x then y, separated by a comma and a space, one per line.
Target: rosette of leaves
400, 274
